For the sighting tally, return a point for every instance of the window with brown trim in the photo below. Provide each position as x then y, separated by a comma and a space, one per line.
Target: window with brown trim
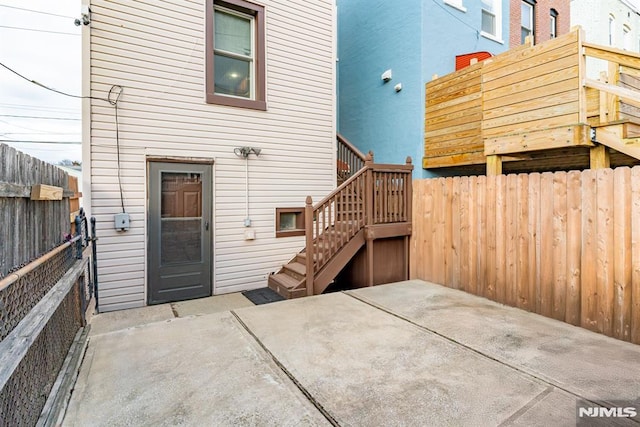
289, 222
235, 51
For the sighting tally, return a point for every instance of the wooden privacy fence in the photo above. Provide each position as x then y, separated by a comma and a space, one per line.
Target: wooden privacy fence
565, 245
34, 207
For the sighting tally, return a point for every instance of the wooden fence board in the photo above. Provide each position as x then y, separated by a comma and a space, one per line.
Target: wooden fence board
437, 222
635, 255
622, 254
574, 243
524, 299
546, 244
605, 269
534, 242
589, 305
448, 232
472, 286
559, 245
501, 251
465, 232
456, 232
481, 265
510, 241
490, 291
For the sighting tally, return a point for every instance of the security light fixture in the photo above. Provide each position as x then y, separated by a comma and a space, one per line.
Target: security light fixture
245, 151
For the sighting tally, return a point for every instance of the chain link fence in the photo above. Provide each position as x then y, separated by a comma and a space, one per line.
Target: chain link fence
42, 308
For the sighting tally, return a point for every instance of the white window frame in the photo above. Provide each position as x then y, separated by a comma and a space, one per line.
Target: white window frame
456, 4
553, 22
626, 37
612, 30
524, 3
251, 59
496, 6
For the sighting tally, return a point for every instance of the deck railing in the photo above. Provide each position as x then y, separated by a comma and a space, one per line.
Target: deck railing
349, 159
377, 194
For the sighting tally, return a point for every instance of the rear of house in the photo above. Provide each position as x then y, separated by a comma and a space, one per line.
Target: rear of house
205, 117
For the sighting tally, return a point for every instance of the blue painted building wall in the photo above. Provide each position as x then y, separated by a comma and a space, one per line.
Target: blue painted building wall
415, 39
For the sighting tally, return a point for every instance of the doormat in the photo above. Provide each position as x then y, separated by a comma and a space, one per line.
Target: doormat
263, 296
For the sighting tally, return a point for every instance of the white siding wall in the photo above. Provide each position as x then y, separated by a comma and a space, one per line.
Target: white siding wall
155, 50
593, 17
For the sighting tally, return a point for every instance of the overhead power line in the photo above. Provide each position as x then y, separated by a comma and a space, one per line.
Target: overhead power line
33, 107
112, 97
36, 11
38, 117
16, 141
39, 31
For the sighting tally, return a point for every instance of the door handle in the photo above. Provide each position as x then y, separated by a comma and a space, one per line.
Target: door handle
206, 225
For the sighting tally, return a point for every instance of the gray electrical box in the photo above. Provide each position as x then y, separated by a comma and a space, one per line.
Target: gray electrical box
121, 221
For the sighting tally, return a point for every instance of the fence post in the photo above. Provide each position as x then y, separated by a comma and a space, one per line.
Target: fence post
78, 223
94, 261
408, 194
369, 196
308, 233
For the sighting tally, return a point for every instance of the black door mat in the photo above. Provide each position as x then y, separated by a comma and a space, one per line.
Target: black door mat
263, 296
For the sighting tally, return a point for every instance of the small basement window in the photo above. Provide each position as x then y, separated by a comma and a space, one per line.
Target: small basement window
289, 222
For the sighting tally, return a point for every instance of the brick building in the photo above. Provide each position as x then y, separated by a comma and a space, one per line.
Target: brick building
545, 19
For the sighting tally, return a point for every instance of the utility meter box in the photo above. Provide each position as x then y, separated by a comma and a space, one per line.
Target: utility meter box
121, 221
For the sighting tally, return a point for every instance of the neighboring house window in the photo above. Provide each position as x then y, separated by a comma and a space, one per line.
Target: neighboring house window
492, 18
626, 38
457, 4
553, 24
235, 54
526, 20
612, 29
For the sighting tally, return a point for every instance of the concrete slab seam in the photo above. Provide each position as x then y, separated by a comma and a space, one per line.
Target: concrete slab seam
174, 310
526, 407
515, 368
300, 387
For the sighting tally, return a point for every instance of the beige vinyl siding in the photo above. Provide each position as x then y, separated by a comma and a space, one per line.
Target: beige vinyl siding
155, 50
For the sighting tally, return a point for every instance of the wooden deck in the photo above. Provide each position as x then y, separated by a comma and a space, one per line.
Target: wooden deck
533, 108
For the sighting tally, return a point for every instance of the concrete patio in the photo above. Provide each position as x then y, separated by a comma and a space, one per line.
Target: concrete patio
404, 354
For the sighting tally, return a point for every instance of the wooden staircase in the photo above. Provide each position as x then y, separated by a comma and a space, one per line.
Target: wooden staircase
623, 137
374, 202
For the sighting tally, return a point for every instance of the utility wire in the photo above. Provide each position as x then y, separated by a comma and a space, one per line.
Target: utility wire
112, 98
108, 99
36, 11
36, 107
38, 117
443, 7
39, 31
42, 142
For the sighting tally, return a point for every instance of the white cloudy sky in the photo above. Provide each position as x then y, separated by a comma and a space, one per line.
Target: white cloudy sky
43, 44
45, 47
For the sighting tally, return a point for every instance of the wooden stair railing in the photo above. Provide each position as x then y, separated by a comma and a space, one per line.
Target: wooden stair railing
618, 90
377, 197
349, 160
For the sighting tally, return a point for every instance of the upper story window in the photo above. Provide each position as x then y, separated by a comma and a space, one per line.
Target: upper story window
492, 18
526, 20
626, 38
612, 29
553, 24
456, 4
235, 54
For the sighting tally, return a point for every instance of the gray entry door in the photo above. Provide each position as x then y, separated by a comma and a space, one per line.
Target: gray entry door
179, 231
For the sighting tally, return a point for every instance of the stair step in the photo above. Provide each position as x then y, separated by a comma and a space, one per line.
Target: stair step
285, 280
296, 269
283, 284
